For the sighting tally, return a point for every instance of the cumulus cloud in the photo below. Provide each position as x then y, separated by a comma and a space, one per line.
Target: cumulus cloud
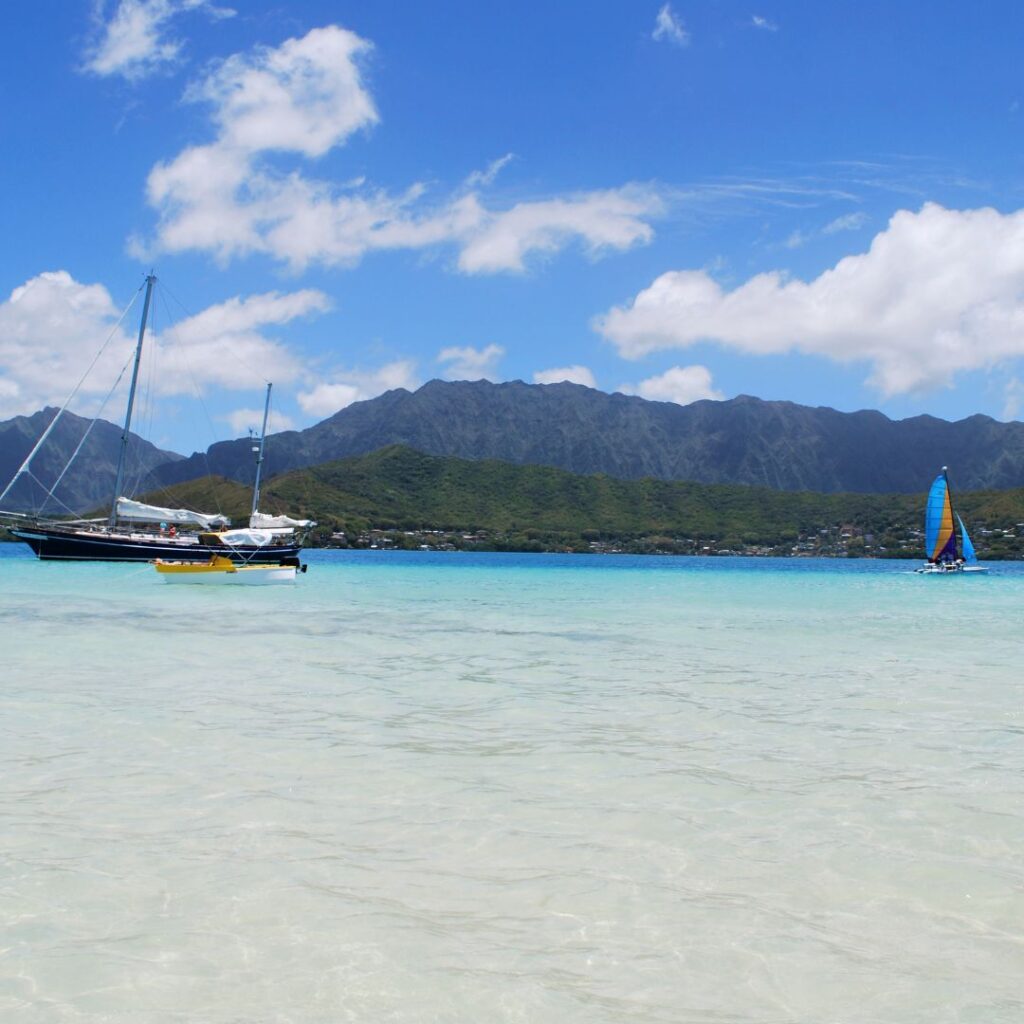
244, 420
306, 96
938, 292
668, 26
52, 327
232, 196
347, 386
470, 363
680, 384
227, 341
574, 374
133, 43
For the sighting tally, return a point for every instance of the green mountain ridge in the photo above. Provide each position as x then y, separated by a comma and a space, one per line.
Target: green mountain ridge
399, 490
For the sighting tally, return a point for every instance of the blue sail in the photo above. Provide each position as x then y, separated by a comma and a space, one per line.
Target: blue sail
969, 555
939, 536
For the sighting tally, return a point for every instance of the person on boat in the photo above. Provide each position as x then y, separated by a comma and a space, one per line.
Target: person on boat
172, 531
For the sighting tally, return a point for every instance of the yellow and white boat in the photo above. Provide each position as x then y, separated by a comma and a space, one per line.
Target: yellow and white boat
221, 569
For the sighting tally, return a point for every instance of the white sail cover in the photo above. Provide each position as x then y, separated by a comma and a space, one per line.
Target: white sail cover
260, 520
251, 538
128, 509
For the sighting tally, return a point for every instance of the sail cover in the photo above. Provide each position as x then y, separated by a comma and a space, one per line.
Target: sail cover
251, 538
939, 535
128, 509
965, 540
260, 520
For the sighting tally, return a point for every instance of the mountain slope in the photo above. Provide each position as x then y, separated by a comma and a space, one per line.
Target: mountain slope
742, 441
89, 483
400, 489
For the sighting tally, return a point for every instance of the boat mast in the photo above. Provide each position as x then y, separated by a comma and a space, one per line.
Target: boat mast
259, 456
150, 281
953, 516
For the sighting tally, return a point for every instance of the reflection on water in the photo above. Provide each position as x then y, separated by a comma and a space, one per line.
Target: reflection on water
418, 788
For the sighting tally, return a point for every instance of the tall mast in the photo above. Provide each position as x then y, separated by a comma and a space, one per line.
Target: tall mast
259, 457
150, 281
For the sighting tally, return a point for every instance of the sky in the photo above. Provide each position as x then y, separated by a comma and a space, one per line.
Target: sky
811, 202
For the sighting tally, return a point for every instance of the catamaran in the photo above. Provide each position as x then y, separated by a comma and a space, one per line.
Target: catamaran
944, 556
137, 532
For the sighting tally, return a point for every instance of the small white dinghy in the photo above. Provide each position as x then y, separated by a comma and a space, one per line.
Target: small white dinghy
220, 569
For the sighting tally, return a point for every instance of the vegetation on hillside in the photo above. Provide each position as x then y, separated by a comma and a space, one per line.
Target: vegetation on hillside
400, 497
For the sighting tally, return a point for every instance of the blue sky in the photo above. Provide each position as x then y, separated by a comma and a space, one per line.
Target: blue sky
803, 201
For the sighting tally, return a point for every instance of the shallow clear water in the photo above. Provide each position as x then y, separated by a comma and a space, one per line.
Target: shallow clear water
512, 788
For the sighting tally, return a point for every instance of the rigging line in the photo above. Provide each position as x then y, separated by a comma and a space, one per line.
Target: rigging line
212, 490
60, 412
32, 476
188, 312
88, 430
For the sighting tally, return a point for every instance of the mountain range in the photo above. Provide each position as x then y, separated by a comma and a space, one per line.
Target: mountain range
89, 482
744, 440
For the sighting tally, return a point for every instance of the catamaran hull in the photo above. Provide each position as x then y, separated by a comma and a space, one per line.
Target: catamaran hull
65, 546
951, 570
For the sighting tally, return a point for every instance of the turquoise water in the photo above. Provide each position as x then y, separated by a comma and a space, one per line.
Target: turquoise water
452, 788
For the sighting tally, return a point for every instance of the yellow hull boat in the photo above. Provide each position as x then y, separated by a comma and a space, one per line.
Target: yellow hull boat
220, 569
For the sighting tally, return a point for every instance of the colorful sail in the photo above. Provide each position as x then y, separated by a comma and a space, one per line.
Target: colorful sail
965, 542
939, 535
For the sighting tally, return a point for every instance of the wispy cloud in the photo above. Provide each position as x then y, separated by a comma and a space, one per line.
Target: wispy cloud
489, 173
343, 387
134, 43
1013, 398
668, 27
763, 23
244, 420
573, 374
848, 222
468, 363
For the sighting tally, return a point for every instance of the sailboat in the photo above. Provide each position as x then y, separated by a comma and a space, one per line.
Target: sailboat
944, 556
137, 532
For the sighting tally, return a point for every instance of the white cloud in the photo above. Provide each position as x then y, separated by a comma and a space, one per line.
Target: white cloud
347, 386
244, 420
574, 374
132, 43
487, 176
52, 327
611, 219
938, 292
225, 345
763, 23
669, 26
848, 222
306, 98
1013, 397
680, 384
470, 363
